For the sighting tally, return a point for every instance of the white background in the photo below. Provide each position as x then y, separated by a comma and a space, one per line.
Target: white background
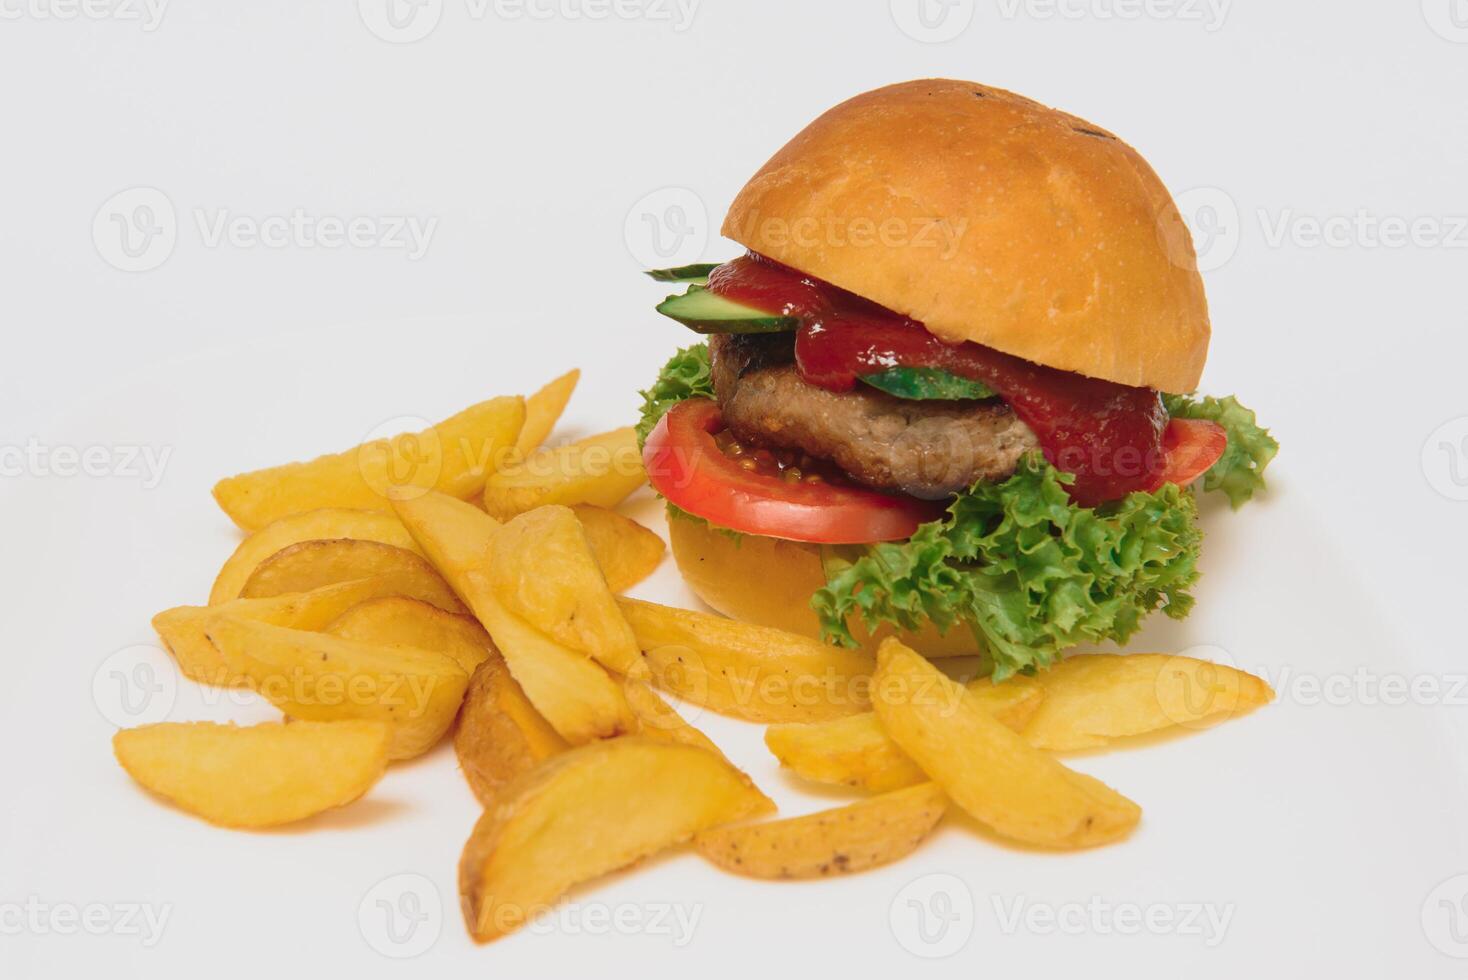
1322, 826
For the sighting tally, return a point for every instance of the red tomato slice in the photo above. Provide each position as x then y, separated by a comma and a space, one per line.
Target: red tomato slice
686, 466
1192, 446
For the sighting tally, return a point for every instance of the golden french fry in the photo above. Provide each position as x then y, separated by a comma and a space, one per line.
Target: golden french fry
542, 570
580, 699
182, 628
261, 776
398, 620
861, 835
656, 719
500, 734
600, 470
749, 672
310, 565
584, 813
1094, 698
543, 409
626, 551
988, 770
855, 751
316, 677
315, 525
619, 544
456, 457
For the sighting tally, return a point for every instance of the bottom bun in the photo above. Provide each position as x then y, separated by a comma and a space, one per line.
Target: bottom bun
769, 582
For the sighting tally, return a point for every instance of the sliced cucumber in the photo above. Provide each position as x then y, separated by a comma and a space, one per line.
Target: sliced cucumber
697, 273
927, 384
706, 312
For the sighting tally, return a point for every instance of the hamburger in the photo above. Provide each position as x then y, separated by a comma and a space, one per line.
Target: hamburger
949, 389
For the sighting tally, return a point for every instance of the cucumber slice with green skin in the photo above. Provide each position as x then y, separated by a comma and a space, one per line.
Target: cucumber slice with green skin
698, 274
705, 312
927, 384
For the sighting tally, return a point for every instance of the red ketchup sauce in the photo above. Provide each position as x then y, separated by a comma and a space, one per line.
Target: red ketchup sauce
1108, 435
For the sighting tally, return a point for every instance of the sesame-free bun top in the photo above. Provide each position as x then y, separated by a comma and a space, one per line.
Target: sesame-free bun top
990, 218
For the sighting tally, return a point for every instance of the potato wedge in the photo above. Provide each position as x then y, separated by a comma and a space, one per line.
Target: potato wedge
856, 751
656, 719
1014, 789
626, 551
600, 470
861, 835
580, 699
311, 564
619, 544
587, 812
456, 456
1095, 698
182, 628
316, 525
500, 734
316, 677
542, 570
397, 620
543, 409
749, 672
261, 776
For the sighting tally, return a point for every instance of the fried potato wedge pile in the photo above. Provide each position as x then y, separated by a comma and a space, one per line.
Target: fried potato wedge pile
468, 578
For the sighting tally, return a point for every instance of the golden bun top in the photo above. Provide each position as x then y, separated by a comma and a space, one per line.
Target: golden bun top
993, 219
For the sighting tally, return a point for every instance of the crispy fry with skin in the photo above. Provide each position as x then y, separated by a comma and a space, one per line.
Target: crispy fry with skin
315, 677
399, 620
1092, 699
749, 672
182, 628
856, 751
455, 457
602, 470
543, 409
1016, 790
584, 813
861, 835
542, 570
313, 564
316, 525
626, 551
580, 699
500, 734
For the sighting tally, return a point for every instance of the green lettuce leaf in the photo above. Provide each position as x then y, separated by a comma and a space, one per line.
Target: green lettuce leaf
686, 375
1239, 472
1027, 570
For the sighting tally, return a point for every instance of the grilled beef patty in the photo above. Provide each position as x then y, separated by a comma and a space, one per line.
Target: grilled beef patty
929, 449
